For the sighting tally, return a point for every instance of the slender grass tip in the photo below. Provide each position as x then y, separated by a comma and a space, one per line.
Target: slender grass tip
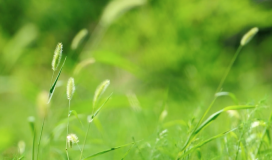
100, 90
249, 35
70, 88
57, 56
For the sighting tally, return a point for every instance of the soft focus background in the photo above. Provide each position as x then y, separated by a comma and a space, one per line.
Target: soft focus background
158, 54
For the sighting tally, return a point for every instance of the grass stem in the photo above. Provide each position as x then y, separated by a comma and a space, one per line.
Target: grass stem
85, 140
221, 83
67, 130
40, 139
33, 145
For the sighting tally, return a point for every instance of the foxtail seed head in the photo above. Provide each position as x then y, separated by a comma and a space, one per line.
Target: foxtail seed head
71, 139
70, 88
57, 56
249, 35
100, 90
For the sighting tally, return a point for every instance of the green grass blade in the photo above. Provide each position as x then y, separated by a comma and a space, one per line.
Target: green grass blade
97, 111
205, 142
127, 152
75, 114
209, 120
231, 95
31, 121
106, 151
239, 107
215, 115
90, 119
40, 139
221, 83
51, 91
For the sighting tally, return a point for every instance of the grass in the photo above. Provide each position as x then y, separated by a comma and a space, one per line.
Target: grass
166, 139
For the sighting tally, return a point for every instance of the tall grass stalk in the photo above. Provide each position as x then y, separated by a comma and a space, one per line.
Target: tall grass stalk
84, 142
38, 149
31, 121
191, 137
245, 39
70, 91
91, 117
222, 82
66, 149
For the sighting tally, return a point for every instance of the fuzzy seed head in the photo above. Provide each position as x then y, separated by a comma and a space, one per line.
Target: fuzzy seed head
31, 119
21, 147
71, 139
100, 90
57, 56
249, 35
70, 88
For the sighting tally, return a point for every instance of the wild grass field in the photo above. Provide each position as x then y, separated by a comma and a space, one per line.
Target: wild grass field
135, 80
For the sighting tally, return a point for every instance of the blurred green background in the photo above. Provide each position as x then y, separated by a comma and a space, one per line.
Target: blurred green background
153, 51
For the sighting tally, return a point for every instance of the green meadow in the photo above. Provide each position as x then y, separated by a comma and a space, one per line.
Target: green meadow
135, 80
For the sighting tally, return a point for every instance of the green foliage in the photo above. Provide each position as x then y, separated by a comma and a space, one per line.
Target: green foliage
164, 59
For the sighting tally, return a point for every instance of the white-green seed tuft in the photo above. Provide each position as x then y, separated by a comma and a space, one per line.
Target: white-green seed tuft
71, 139
70, 88
21, 147
100, 90
249, 35
57, 56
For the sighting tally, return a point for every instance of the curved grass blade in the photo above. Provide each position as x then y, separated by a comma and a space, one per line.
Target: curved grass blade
75, 114
231, 95
90, 119
127, 152
265, 133
51, 91
208, 121
97, 111
206, 141
215, 115
31, 121
106, 151
39, 142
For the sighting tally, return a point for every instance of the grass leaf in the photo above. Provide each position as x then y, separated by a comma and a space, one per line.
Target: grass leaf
106, 151
206, 141
75, 114
97, 111
51, 91
231, 95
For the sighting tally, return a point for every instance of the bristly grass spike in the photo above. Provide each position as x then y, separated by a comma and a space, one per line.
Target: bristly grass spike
70, 88
248, 36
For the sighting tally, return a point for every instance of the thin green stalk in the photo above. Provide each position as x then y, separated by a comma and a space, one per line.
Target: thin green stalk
78, 147
238, 144
138, 148
85, 140
33, 145
228, 69
222, 82
40, 139
192, 136
67, 131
